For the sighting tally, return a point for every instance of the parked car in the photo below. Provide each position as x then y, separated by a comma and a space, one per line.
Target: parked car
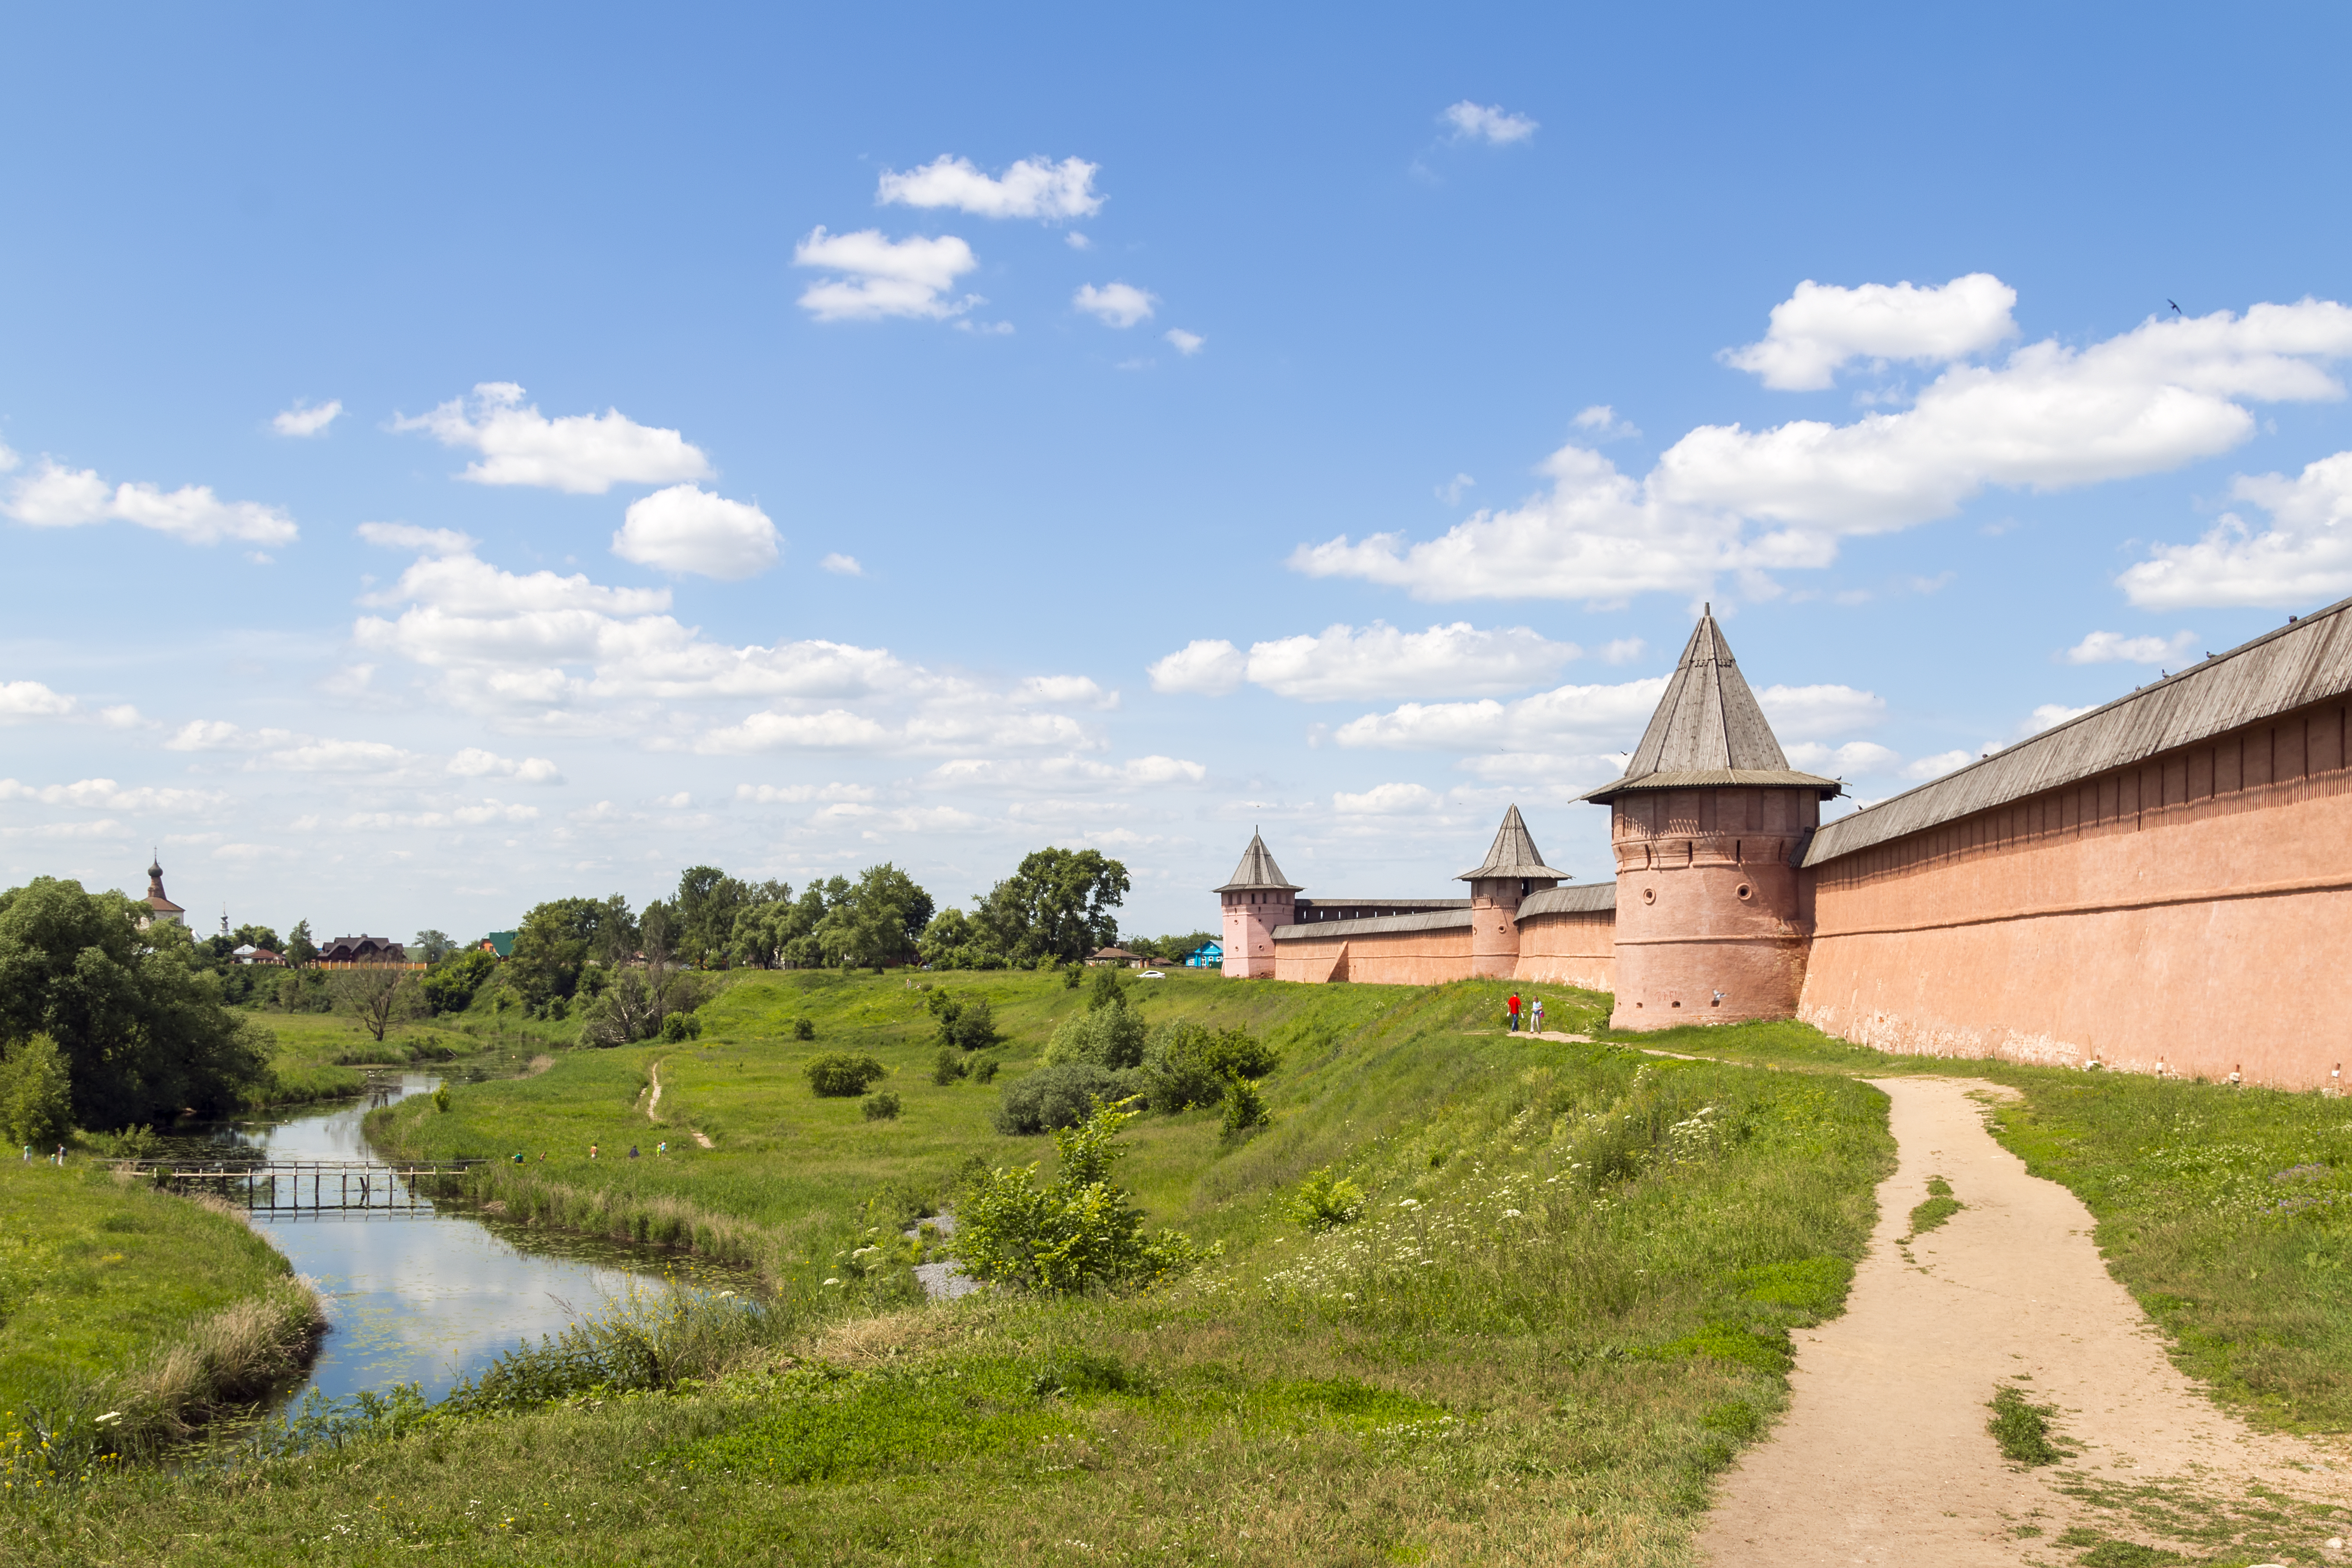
1151, 975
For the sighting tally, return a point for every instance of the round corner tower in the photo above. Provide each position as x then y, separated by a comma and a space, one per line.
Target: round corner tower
1709, 823
1513, 869
1256, 898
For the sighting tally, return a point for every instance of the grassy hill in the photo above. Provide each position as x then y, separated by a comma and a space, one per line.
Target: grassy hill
1563, 1308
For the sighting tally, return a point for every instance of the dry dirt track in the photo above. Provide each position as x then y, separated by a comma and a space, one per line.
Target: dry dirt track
1883, 1456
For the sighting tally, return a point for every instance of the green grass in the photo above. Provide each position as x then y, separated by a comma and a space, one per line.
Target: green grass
1566, 1307
1940, 1206
2022, 1429
2226, 1212
325, 1055
103, 1280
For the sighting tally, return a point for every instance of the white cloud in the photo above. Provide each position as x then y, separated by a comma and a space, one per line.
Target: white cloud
1487, 123
935, 727
1856, 757
8, 458
1600, 422
1078, 241
57, 497
1030, 188
120, 716
339, 757
423, 541
888, 278
1381, 661
687, 529
105, 794
2304, 557
2052, 713
31, 700
801, 795
1585, 718
1936, 766
582, 454
1185, 344
1622, 650
474, 762
1064, 774
1820, 327
2113, 647
1451, 491
220, 735
1208, 667
1387, 800
1812, 712
1115, 304
842, 565
488, 812
301, 420
1727, 499
1064, 690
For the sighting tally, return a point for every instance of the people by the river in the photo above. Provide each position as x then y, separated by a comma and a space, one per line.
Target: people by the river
632, 1151
1513, 1006
591, 1151
662, 1147
1536, 1014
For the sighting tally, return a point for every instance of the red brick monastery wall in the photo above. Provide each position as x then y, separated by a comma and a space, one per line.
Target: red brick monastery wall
2193, 909
1380, 958
1577, 949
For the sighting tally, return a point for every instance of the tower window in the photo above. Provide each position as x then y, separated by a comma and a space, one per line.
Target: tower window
1744, 891
1649, 895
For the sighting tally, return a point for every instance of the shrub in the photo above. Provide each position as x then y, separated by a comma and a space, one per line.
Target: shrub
965, 1023
984, 1070
1078, 1231
131, 1143
1186, 1064
948, 1066
450, 985
36, 1094
1057, 1097
1325, 1201
1110, 1036
680, 1026
882, 1107
441, 1099
803, 1029
838, 1075
1245, 1107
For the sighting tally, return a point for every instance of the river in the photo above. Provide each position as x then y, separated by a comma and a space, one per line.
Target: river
429, 1294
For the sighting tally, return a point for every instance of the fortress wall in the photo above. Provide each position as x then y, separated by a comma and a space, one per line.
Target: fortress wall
1570, 948
2195, 908
1377, 958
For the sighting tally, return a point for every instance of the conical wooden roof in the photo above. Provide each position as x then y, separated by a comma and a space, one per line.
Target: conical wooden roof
1513, 854
1258, 872
1708, 729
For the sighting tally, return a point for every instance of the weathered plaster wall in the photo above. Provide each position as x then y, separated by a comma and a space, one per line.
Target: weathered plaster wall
1251, 919
1380, 958
1577, 949
2195, 910
1711, 916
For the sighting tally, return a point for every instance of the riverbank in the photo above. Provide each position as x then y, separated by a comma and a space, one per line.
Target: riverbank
115, 1298
316, 1056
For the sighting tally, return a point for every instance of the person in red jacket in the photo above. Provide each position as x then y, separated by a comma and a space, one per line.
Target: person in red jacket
1514, 1012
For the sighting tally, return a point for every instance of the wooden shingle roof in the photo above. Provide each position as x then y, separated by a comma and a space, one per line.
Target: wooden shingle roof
1709, 731
1513, 853
1257, 871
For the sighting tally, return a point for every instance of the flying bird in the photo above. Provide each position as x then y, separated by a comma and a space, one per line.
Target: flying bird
2176, 307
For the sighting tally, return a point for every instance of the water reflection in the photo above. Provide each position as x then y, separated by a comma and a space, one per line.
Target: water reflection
427, 1294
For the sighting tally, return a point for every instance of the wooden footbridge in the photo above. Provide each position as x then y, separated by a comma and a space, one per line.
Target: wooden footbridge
285, 1186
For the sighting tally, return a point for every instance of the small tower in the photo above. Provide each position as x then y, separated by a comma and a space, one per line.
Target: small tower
1257, 899
158, 900
1513, 869
1708, 824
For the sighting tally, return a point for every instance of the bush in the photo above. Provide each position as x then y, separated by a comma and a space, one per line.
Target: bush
882, 1107
1245, 1107
837, 1075
965, 1023
1326, 1201
680, 1026
1057, 1097
36, 1094
1078, 1231
131, 1143
450, 985
441, 1099
1186, 1064
1110, 1036
984, 1070
948, 1066
803, 1029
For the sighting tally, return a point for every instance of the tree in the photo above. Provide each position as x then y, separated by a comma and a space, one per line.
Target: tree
449, 987
877, 922
433, 946
1081, 1230
1056, 905
259, 936
299, 949
140, 1022
764, 930
36, 1094
556, 940
378, 994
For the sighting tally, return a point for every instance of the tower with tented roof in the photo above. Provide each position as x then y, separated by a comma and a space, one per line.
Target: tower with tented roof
1513, 869
1708, 824
1258, 897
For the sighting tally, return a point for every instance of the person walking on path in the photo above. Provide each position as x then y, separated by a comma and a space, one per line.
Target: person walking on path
1514, 1012
1535, 1015
591, 1151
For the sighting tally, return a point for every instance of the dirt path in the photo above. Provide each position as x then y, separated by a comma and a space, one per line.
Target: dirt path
1883, 1456
654, 1105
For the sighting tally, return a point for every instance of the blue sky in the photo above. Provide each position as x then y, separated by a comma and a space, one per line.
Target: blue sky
796, 438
